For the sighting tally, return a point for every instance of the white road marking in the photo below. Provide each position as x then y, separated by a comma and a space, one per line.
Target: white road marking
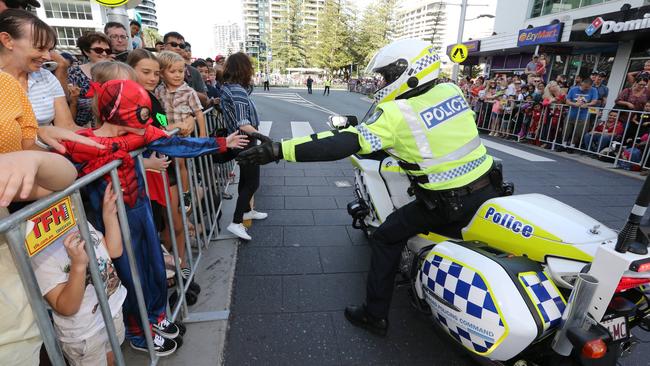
296, 99
515, 152
300, 129
265, 127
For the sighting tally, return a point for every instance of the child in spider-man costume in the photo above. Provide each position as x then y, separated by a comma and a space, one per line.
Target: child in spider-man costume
124, 110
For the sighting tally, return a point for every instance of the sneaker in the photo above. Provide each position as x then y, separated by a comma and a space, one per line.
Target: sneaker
239, 230
166, 329
254, 215
187, 201
162, 346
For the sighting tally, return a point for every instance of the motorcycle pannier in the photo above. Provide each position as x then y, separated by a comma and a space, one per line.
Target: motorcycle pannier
494, 304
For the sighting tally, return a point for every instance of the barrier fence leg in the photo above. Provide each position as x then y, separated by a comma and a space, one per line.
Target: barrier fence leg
128, 247
180, 286
186, 231
16, 240
98, 284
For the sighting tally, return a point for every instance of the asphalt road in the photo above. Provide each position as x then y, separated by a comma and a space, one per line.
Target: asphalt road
306, 263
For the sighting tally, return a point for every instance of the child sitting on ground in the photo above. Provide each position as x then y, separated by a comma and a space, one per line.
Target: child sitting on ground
62, 273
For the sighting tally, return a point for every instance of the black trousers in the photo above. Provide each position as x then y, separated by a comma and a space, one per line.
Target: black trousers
388, 241
309, 89
266, 86
327, 90
249, 181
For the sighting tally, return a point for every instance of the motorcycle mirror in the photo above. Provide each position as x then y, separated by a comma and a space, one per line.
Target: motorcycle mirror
339, 122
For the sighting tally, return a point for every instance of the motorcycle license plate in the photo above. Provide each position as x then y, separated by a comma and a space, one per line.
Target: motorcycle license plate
617, 328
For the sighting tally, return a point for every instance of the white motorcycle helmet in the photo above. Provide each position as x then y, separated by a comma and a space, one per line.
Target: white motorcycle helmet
405, 64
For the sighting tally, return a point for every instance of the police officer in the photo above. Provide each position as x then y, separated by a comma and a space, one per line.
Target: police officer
430, 129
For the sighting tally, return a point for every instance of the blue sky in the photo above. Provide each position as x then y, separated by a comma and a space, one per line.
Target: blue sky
196, 18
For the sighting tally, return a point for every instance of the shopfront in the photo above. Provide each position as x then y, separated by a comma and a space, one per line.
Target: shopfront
631, 25
570, 59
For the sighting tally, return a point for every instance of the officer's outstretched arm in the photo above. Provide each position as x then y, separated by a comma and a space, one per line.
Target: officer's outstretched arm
325, 146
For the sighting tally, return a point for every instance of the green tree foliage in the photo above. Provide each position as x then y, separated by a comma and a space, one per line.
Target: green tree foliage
288, 37
374, 30
334, 37
150, 36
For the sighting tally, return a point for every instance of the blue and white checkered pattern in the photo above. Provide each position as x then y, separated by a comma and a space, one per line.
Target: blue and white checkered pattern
465, 289
545, 296
425, 62
374, 141
456, 172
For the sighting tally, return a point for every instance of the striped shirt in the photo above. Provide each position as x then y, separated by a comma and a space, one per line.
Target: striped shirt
43, 88
238, 109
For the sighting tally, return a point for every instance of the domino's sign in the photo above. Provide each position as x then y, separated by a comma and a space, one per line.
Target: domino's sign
613, 27
509, 222
443, 111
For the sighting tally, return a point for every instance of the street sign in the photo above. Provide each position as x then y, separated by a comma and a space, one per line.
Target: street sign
112, 3
458, 53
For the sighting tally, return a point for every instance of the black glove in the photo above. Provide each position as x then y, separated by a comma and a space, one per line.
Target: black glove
264, 153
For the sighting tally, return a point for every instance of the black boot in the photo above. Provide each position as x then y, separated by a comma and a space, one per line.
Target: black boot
359, 316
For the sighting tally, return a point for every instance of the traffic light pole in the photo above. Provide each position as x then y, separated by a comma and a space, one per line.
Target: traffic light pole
461, 29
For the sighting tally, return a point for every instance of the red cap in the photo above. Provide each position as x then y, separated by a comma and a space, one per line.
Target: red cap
124, 103
218, 58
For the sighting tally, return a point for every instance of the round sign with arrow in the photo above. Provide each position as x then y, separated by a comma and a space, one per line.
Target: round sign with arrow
112, 3
458, 53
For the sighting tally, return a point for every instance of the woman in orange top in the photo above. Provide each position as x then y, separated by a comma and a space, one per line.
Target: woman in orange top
18, 126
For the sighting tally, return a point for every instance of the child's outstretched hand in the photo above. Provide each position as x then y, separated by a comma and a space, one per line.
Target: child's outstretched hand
236, 141
109, 205
74, 245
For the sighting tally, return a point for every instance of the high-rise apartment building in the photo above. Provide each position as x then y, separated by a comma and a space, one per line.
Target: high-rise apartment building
423, 19
261, 15
228, 38
70, 19
147, 11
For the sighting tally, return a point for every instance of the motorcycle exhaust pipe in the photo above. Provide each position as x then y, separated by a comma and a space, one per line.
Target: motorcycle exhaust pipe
576, 312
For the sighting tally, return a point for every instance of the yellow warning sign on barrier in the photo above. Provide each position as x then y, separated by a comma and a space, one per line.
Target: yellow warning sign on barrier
48, 225
458, 53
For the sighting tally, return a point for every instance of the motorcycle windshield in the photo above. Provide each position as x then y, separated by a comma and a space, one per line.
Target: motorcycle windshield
369, 113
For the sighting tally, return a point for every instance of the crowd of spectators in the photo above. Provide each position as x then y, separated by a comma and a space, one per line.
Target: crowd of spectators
53, 96
566, 115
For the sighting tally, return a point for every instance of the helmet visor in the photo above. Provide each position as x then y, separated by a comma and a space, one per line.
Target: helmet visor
393, 71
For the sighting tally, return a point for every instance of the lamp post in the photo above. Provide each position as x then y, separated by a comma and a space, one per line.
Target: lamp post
461, 29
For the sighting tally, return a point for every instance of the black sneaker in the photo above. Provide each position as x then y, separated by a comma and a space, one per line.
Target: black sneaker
187, 201
162, 346
166, 329
195, 287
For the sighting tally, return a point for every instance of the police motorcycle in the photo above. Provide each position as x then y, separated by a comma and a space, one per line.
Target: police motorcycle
529, 281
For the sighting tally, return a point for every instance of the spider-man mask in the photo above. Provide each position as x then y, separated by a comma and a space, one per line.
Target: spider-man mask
124, 103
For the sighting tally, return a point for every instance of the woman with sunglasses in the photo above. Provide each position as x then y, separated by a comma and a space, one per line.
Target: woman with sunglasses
25, 45
96, 47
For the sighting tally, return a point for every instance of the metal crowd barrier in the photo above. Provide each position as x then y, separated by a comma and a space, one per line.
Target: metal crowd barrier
362, 87
560, 126
205, 175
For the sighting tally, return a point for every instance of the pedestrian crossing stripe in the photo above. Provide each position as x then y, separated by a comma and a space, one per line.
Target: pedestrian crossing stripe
295, 98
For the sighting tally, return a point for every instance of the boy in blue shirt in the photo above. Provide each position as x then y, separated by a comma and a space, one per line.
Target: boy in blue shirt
580, 98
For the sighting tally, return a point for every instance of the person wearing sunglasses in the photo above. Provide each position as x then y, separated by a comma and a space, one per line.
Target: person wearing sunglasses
116, 33
175, 42
95, 46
